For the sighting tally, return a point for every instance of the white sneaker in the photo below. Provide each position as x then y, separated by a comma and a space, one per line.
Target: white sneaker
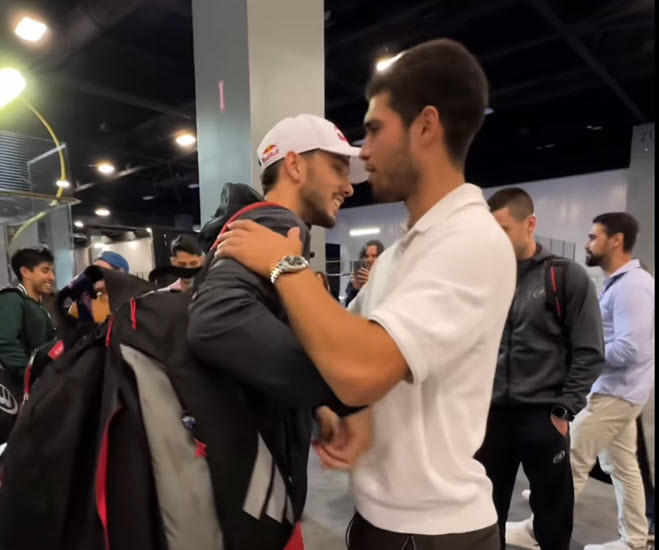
613, 545
526, 494
520, 534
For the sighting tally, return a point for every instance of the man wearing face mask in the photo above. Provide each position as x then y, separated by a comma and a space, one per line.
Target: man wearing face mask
186, 253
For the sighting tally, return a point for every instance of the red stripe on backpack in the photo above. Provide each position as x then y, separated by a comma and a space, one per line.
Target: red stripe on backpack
237, 215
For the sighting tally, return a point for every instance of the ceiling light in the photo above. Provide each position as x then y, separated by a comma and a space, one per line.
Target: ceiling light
193, 186
30, 29
186, 139
364, 231
78, 224
148, 198
12, 84
105, 168
99, 245
103, 212
385, 63
149, 230
63, 184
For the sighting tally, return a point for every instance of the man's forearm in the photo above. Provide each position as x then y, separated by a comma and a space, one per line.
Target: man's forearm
354, 356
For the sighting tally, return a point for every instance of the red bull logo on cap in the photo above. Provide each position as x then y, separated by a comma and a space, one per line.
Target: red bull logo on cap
270, 152
340, 134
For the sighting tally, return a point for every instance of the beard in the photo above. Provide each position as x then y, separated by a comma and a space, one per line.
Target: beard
315, 203
399, 178
593, 260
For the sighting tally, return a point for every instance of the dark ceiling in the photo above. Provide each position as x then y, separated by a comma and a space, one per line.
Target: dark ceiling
569, 79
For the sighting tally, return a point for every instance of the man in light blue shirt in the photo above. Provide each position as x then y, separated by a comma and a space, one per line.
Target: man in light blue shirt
607, 426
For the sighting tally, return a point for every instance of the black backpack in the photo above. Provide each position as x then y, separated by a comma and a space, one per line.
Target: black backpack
126, 441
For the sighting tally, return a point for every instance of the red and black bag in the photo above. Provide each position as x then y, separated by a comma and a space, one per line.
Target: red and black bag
127, 442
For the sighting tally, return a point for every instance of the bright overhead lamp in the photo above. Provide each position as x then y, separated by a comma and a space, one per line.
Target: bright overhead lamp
148, 197
364, 231
105, 168
12, 85
103, 212
78, 224
386, 62
30, 29
63, 184
149, 230
186, 139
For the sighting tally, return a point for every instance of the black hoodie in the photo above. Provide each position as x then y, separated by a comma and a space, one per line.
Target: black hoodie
238, 325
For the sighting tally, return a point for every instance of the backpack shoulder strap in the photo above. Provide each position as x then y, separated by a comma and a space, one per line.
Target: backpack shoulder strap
240, 213
210, 256
555, 286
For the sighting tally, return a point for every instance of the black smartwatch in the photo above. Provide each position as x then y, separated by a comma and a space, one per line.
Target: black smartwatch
561, 412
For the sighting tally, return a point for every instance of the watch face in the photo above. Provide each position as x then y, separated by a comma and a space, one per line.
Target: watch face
295, 261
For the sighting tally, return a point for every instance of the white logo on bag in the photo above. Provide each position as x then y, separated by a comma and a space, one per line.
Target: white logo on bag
7, 402
539, 293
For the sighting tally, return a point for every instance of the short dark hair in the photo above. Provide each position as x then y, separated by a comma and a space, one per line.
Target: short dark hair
620, 222
186, 243
518, 200
270, 175
442, 74
30, 258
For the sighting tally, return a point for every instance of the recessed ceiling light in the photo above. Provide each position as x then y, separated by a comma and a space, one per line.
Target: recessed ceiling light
103, 212
364, 231
30, 29
105, 168
148, 198
193, 186
63, 183
78, 224
385, 63
186, 139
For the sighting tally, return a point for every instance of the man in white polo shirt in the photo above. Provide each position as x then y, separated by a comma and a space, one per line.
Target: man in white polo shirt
435, 307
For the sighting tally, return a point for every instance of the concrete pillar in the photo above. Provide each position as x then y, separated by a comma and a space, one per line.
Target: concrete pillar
640, 203
256, 62
59, 238
640, 191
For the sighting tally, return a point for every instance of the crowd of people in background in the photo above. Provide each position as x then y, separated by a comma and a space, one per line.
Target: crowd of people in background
499, 352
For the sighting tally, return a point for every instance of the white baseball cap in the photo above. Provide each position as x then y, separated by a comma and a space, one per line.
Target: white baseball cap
304, 133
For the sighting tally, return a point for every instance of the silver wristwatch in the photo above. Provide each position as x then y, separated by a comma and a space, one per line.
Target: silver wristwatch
288, 264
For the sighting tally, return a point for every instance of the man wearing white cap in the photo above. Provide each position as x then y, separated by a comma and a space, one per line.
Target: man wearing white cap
237, 324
